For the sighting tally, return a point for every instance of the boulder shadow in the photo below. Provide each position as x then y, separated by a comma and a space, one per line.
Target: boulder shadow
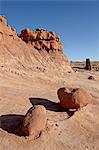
12, 123
50, 105
70, 113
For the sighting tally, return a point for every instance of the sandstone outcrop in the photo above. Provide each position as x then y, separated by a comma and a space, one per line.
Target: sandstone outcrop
5, 29
3, 20
35, 121
32, 49
42, 39
88, 64
73, 98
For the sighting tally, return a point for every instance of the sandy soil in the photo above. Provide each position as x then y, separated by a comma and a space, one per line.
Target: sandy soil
65, 130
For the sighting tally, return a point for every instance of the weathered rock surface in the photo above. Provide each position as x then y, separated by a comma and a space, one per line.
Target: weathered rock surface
79, 132
42, 39
5, 29
3, 20
74, 98
39, 49
35, 121
88, 64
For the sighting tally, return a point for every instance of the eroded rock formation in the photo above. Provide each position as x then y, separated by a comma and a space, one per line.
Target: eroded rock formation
42, 39
73, 98
88, 64
5, 29
39, 51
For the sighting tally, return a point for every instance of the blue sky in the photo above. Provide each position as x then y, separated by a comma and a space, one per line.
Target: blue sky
76, 22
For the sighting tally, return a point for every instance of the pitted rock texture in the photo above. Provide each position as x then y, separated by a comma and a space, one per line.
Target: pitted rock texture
35, 121
32, 50
73, 98
42, 39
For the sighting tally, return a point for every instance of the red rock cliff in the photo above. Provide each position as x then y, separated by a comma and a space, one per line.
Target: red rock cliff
38, 50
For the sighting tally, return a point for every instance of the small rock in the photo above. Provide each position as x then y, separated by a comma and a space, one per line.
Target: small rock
56, 125
35, 121
91, 78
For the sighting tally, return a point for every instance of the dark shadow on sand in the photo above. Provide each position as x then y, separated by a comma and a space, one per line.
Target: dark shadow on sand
50, 105
12, 123
79, 67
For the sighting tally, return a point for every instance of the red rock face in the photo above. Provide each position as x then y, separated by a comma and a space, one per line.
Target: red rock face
42, 39
74, 98
38, 49
3, 20
6, 30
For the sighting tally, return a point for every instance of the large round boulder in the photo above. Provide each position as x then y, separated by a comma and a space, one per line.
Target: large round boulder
35, 121
73, 98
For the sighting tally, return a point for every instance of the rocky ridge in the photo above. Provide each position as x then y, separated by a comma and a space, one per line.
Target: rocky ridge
42, 39
38, 51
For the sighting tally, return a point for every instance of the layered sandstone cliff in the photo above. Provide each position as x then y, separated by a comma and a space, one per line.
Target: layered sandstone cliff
38, 50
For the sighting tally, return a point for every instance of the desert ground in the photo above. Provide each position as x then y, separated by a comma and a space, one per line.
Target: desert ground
19, 90
32, 69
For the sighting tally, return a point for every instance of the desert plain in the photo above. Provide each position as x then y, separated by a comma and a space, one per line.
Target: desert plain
22, 86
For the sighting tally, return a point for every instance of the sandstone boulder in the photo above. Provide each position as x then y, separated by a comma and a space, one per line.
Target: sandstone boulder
73, 98
42, 35
28, 35
34, 121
